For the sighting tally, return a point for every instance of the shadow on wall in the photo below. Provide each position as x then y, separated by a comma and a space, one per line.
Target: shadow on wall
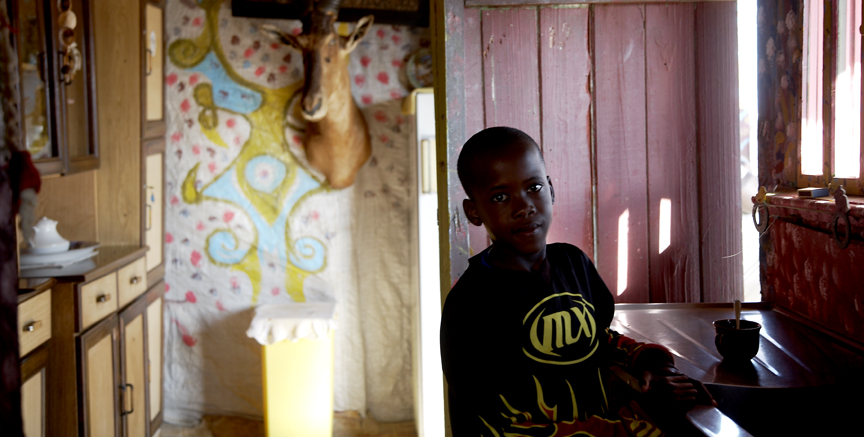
240, 378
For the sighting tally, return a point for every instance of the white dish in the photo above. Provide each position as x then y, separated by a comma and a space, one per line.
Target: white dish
63, 264
54, 248
78, 268
78, 250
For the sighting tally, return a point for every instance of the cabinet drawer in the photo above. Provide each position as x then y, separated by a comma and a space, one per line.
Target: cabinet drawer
98, 299
131, 281
34, 322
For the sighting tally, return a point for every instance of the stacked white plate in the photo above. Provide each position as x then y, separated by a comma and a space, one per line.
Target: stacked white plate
37, 258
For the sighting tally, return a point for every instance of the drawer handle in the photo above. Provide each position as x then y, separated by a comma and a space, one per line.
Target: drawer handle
32, 326
134, 280
102, 298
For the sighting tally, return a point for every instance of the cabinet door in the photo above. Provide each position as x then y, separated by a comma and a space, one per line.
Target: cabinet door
76, 93
133, 361
33, 369
153, 215
154, 355
153, 63
35, 108
99, 380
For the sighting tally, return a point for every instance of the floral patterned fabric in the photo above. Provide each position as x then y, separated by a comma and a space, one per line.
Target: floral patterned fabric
249, 223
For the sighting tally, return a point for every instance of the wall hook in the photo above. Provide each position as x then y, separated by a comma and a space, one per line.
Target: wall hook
841, 212
760, 203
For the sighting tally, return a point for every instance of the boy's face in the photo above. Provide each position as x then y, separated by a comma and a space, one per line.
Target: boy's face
512, 196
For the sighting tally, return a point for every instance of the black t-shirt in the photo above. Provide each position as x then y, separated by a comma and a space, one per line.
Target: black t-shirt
527, 347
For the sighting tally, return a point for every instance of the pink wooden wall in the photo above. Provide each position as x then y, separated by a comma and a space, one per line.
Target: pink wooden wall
610, 93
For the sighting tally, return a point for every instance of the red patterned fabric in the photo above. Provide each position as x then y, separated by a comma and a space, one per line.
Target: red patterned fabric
22, 175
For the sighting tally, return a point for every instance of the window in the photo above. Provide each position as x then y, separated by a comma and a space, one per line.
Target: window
831, 140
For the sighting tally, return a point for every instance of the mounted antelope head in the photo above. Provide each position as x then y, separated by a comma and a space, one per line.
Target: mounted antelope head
337, 137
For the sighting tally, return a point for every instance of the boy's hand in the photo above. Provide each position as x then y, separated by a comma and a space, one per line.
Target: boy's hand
670, 385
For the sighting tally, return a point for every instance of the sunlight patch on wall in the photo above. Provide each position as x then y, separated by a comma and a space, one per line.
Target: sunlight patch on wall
665, 224
623, 237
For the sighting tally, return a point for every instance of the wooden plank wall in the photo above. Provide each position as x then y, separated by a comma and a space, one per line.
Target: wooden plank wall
720, 234
622, 209
611, 93
672, 171
475, 119
565, 78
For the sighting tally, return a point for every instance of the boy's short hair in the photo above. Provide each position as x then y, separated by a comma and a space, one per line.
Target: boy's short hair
482, 144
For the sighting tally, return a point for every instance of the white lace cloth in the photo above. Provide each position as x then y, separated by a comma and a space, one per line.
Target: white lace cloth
292, 321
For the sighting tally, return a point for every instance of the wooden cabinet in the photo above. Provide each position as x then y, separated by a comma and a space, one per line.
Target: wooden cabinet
153, 135
34, 334
105, 366
153, 62
58, 83
99, 380
153, 206
34, 322
131, 281
33, 392
133, 362
96, 300
154, 338
121, 392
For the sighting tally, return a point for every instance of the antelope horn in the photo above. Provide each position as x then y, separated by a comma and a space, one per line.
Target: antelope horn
327, 6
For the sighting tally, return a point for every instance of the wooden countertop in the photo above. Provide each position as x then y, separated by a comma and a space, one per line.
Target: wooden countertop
791, 353
28, 288
801, 371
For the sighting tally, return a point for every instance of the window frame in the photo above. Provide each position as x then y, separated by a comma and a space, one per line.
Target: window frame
827, 65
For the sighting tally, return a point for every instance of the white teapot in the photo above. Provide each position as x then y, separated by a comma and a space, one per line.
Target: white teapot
46, 239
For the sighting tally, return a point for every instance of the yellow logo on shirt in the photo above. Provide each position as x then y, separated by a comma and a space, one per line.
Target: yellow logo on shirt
563, 336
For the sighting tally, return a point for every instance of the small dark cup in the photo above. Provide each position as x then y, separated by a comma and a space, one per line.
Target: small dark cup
737, 344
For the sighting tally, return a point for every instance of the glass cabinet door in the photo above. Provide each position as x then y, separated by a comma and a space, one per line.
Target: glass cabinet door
77, 91
35, 93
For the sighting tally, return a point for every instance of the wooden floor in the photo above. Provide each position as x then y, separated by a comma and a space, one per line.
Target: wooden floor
345, 424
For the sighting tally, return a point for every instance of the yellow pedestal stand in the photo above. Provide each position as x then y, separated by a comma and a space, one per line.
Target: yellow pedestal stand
297, 359
298, 388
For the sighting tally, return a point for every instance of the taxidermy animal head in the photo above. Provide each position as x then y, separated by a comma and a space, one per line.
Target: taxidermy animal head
337, 137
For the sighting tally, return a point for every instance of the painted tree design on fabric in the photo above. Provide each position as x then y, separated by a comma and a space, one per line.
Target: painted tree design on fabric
265, 180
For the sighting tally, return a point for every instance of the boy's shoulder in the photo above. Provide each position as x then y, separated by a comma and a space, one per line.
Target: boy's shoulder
558, 253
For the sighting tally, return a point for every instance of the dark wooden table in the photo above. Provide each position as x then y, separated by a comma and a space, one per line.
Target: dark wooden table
801, 376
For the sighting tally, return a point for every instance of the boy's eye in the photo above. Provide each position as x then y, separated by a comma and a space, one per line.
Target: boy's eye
535, 188
498, 198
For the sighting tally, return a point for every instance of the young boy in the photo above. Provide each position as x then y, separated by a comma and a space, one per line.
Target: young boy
525, 343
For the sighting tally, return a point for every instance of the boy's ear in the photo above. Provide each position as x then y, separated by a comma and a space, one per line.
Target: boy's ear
471, 212
551, 188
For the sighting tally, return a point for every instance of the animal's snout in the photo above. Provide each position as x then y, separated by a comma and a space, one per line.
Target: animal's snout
310, 111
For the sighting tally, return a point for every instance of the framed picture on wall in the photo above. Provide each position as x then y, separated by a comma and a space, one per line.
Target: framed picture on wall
401, 12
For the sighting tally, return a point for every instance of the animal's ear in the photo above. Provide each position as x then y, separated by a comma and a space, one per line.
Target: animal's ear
360, 30
280, 36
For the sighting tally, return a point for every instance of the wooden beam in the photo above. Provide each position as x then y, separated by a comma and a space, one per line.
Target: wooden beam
622, 212
511, 70
475, 104
719, 152
448, 36
565, 101
673, 211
